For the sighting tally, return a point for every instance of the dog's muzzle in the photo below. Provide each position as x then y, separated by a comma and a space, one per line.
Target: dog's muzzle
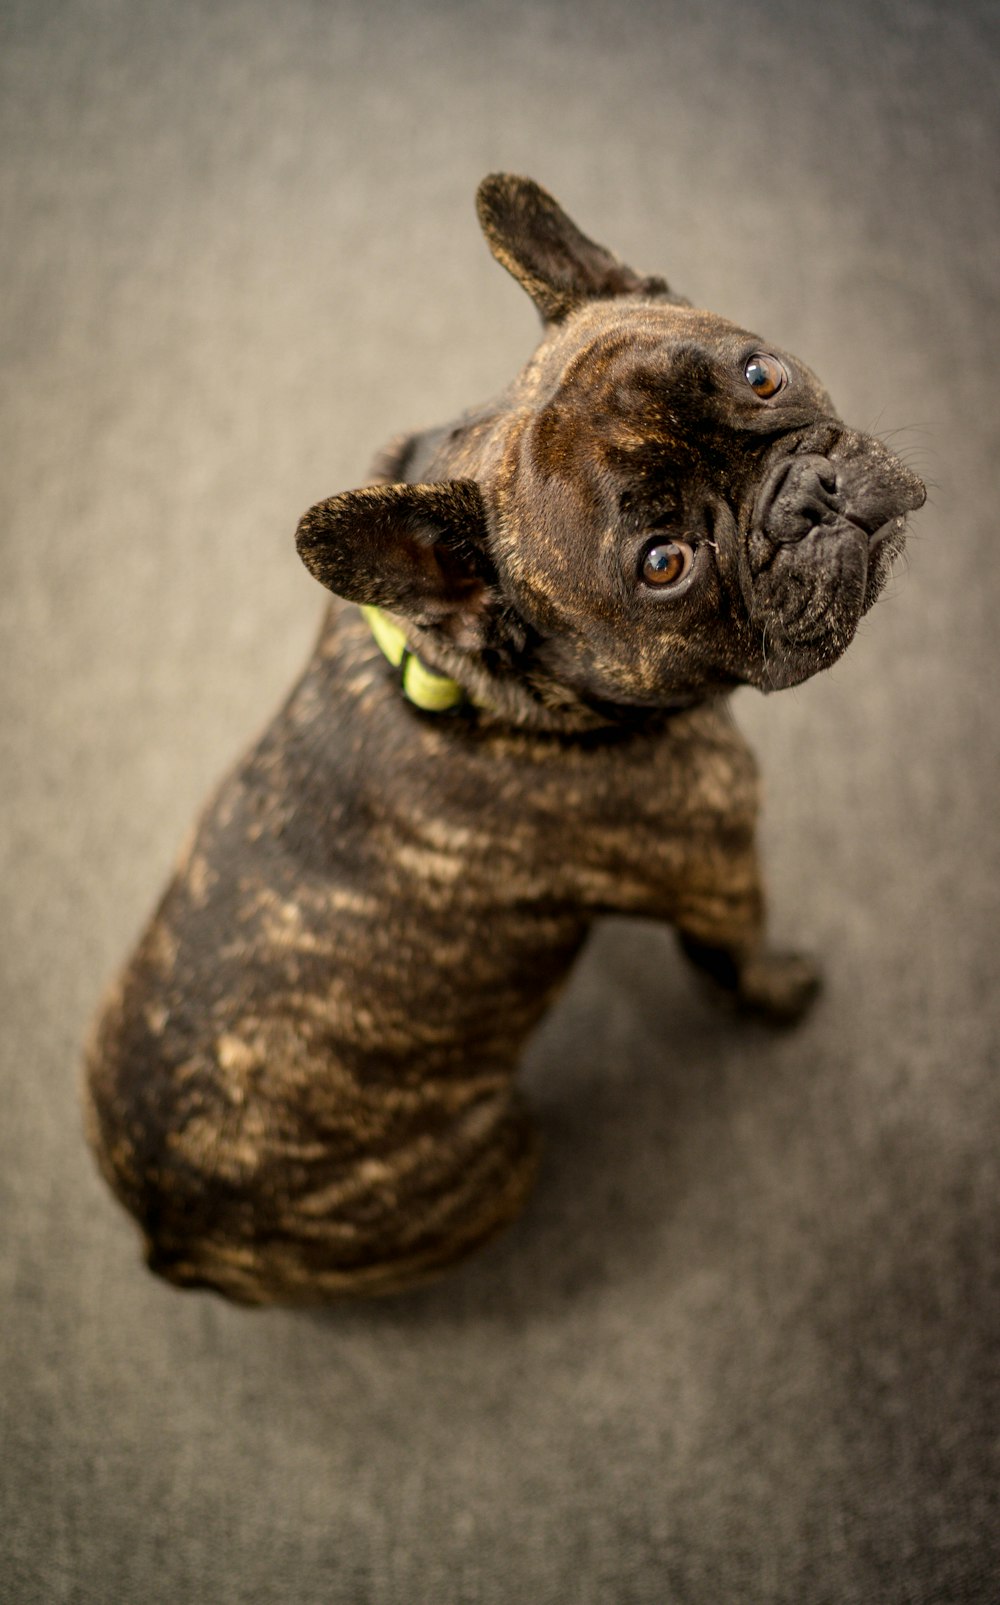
805, 492
825, 527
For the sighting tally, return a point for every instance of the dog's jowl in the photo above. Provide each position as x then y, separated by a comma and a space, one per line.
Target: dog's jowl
515, 720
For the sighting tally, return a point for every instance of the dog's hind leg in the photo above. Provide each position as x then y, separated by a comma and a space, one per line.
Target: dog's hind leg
377, 1225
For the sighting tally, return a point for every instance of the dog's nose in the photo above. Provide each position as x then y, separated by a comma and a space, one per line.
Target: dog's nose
802, 493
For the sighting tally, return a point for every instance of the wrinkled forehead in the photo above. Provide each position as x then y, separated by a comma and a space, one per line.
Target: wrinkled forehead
622, 378
652, 374
603, 344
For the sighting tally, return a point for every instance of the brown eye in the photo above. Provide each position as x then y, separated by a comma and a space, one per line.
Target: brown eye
765, 375
667, 562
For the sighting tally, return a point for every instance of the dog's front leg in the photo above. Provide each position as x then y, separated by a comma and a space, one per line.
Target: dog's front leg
775, 985
722, 931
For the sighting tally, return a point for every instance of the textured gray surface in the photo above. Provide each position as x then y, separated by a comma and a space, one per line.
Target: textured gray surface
743, 1346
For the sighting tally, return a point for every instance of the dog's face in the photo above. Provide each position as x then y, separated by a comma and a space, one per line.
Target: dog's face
681, 508
661, 506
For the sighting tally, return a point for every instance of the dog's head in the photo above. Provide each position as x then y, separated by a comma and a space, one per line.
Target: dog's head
661, 506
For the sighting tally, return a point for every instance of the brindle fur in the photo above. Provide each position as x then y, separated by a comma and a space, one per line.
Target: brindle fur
302, 1084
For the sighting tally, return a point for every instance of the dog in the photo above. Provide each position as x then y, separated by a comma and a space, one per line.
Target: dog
514, 721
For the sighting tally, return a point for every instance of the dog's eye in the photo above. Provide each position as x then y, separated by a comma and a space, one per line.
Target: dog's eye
765, 375
667, 562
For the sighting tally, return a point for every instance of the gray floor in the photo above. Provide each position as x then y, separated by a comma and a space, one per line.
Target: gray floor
744, 1345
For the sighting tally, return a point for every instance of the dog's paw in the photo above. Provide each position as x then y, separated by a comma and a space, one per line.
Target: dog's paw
778, 987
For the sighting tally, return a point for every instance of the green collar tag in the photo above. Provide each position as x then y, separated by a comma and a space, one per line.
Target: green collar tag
432, 693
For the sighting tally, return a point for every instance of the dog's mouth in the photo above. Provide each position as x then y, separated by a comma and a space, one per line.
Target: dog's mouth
825, 528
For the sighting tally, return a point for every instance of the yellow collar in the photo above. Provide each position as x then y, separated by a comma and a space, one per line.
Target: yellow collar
433, 693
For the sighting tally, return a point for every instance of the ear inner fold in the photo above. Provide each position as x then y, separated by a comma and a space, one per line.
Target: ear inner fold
532, 237
418, 549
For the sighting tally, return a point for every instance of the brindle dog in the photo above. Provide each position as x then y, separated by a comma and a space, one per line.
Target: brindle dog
302, 1085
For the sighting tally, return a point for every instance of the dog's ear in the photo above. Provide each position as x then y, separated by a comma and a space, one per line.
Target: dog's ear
531, 236
420, 550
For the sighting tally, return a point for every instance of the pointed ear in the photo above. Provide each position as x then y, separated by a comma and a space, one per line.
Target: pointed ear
531, 236
417, 549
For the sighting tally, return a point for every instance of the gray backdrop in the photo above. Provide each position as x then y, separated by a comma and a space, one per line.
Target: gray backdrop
743, 1345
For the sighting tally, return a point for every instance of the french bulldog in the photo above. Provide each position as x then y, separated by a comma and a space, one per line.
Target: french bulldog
514, 721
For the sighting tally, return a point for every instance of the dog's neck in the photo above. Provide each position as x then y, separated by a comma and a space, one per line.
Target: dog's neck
437, 680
